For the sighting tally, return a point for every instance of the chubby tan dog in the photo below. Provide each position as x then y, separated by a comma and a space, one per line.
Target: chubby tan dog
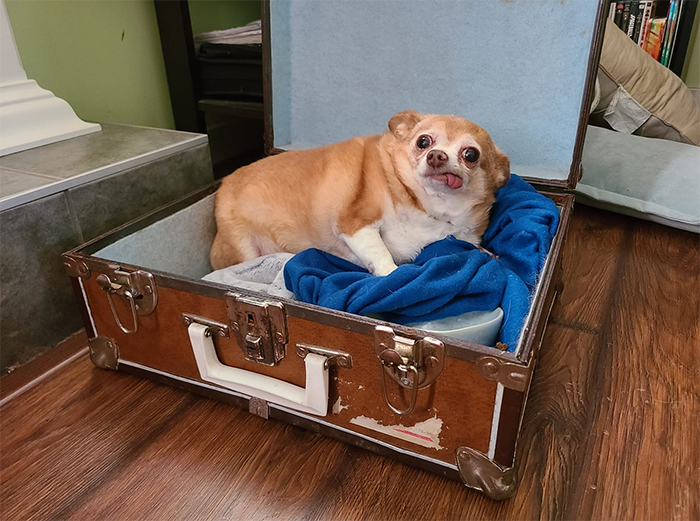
376, 201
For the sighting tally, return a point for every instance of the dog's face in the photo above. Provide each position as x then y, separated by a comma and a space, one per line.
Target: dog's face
449, 154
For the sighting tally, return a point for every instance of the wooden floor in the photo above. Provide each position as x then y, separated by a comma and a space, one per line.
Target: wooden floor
612, 427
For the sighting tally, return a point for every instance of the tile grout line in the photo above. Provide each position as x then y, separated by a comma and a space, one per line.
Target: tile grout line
74, 216
33, 174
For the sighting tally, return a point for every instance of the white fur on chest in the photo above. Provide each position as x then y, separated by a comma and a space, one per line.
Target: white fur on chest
407, 230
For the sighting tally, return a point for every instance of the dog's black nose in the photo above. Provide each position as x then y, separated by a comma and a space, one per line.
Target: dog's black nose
436, 158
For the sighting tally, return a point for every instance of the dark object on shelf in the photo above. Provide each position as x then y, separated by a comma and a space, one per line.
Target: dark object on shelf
231, 71
232, 122
685, 27
242, 109
181, 65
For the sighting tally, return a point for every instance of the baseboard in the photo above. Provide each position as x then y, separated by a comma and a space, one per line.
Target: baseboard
27, 376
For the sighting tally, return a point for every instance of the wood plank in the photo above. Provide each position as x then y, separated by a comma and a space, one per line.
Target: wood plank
645, 435
593, 247
66, 435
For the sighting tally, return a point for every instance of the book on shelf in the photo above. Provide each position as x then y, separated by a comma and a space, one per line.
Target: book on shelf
647, 13
624, 24
645, 33
654, 39
674, 15
667, 32
661, 27
619, 9
632, 20
638, 16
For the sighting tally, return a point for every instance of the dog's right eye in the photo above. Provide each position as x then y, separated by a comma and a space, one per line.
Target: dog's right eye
424, 142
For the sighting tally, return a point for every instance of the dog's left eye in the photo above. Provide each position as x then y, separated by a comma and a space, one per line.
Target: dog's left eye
424, 142
470, 155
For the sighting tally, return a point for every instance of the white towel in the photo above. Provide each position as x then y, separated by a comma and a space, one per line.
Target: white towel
264, 275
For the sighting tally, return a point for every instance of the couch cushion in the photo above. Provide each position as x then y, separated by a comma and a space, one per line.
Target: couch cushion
651, 179
640, 95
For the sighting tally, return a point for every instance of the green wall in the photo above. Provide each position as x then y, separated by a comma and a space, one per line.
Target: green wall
691, 70
102, 57
214, 15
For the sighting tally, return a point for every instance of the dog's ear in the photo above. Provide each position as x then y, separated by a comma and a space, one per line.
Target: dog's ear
402, 123
500, 169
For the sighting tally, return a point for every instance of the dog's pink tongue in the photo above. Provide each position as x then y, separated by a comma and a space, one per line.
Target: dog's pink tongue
454, 181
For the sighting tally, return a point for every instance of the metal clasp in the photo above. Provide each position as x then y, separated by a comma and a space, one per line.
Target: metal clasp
413, 364
260, 327
137, 288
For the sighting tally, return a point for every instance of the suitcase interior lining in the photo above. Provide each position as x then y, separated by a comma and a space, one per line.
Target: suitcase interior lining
179, 245
338, 70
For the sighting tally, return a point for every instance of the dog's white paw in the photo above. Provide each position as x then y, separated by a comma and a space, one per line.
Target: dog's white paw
382, 270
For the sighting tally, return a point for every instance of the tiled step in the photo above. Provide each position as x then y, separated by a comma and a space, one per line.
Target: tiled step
55, 197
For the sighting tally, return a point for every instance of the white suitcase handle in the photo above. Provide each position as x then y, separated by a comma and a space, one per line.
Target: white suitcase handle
312, 399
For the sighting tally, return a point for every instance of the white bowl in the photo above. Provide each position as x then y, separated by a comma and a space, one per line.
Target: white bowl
480, 327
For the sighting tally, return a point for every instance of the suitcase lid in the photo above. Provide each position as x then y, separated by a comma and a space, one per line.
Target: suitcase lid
522, 70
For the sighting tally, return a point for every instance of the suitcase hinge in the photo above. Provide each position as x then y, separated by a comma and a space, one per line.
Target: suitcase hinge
136, 288
510, 375
260, 327
413, 364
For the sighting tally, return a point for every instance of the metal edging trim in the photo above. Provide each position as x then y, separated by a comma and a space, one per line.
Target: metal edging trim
87, 306
496, 420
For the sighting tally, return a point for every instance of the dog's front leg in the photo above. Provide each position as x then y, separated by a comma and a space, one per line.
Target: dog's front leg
368, 246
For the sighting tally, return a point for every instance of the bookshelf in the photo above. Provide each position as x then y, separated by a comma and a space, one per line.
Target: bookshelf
661, 27
234, 126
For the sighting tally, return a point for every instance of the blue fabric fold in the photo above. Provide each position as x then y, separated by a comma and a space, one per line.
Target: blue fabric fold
523, 224
449, 277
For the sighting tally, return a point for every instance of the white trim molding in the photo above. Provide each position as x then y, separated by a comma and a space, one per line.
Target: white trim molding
29, 115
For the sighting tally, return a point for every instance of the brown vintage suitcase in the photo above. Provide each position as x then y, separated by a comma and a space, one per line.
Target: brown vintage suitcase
147, 312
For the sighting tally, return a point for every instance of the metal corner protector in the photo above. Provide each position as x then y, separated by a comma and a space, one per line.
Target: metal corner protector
104, 352
509, 374
479, 472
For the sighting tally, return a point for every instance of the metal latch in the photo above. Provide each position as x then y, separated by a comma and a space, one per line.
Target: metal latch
413, 364
136, 288
260, 327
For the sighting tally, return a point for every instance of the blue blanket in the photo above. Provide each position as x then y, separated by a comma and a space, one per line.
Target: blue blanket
449, 277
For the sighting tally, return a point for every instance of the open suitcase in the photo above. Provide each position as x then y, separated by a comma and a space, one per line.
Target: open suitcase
334, 70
